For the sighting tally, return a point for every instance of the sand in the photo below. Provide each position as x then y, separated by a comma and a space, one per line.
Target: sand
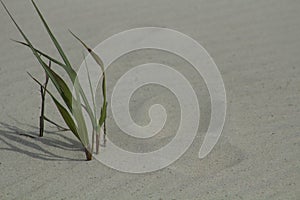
256, 46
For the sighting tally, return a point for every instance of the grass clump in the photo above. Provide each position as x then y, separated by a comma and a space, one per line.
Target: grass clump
73, 105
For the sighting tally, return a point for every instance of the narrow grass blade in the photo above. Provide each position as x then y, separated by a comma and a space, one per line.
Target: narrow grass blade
94, 55
42, 53
100, 63
86, 106
57, 45
57, 81
72, 74
75, 109
104, 106
67, 117
63, 111
62, 87
90, 85
94, 105
78, 128
78, 115
103, 114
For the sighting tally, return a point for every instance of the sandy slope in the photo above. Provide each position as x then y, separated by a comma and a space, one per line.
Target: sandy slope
256, 46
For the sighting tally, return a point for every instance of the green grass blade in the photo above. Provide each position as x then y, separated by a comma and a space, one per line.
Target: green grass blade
72, 74
67, 117
94, 104
42, 53
57, 45
63, 111
62, 88
52, 75
104, 106
74, 107
100, 63
80, 132
90, 84
78, 115
103, 114
94, 55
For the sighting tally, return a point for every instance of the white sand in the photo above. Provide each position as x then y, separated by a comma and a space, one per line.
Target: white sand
256, 46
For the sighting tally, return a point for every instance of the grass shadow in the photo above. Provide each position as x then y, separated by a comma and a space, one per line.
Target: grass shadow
14, 138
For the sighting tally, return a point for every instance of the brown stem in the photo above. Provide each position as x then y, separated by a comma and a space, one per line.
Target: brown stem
41, 126
43, 95
88, 154
42, 112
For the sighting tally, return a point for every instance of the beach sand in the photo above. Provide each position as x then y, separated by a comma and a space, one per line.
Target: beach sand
256, 46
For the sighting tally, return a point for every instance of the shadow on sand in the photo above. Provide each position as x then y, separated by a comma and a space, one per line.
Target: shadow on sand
14, 138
